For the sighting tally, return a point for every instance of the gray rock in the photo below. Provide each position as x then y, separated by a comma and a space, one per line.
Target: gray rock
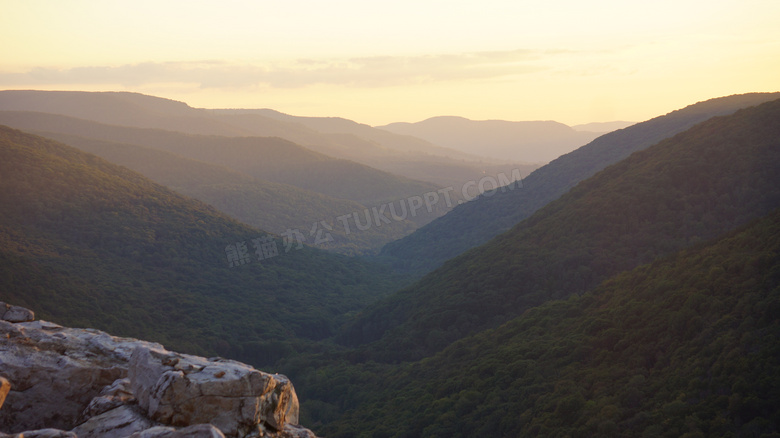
197, 431
42, 433
293, 431
111, 397
116, 423
56, 372
96, 385
15, 313
179, 390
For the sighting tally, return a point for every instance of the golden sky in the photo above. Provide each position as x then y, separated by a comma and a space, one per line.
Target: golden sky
381, 62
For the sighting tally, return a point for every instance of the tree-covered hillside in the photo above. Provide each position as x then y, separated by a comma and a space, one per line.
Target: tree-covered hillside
685, 346
692, 187
264, 158
339, 138
476, 222
275, 207
91, 244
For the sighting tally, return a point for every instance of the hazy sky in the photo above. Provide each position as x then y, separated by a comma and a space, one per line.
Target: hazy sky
382, 62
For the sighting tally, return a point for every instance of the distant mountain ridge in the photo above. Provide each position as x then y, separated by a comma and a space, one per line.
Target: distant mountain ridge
118, 108
527, 141
401, 155
603, 127
339, 125
323, 188
379, 148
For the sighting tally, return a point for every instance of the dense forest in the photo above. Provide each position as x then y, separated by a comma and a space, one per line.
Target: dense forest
88, 243
692, 187
267, 183
685, 346
272, 206
629, 288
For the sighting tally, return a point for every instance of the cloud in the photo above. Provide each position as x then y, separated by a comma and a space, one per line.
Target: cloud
374, 71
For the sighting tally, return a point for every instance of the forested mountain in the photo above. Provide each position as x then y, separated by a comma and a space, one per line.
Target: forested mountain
476, 222
630, 287
685, 346
119, 108
692, 187
274, 207
401, 155
528, 141
382, 140
89, 243
265, 158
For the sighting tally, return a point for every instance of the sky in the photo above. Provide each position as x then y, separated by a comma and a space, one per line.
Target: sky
378, 62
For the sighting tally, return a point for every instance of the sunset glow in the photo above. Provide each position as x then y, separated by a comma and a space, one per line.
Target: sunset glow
376, 63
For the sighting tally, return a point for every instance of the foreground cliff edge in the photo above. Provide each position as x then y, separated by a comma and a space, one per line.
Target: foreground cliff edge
64, 382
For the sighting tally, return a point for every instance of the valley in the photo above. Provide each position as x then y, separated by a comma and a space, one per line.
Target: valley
610, 291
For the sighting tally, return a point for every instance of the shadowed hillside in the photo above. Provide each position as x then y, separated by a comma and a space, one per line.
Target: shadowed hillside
92, 244
402, 155
275, 207
685, 346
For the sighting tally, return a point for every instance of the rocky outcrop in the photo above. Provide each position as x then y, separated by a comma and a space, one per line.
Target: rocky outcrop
86, 383
15, 313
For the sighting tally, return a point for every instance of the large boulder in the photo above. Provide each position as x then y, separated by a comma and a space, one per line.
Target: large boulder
42, 433
68, 382
119, 422
56, 372
197, 431
15, 313
178, 390
111, 397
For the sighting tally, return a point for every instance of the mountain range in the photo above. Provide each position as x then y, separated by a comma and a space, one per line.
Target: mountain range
638, 304
402, 155
265, 182
627, 288
291, 188
530, 141
90, 243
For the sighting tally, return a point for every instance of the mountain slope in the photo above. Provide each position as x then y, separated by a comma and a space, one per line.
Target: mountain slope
118, 108
476, 222
269, 159
692, 187
685, 346
602, 127
532, 141
401, 155
89, 243
270, 206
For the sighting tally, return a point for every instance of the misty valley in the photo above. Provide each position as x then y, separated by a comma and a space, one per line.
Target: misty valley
173, 271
